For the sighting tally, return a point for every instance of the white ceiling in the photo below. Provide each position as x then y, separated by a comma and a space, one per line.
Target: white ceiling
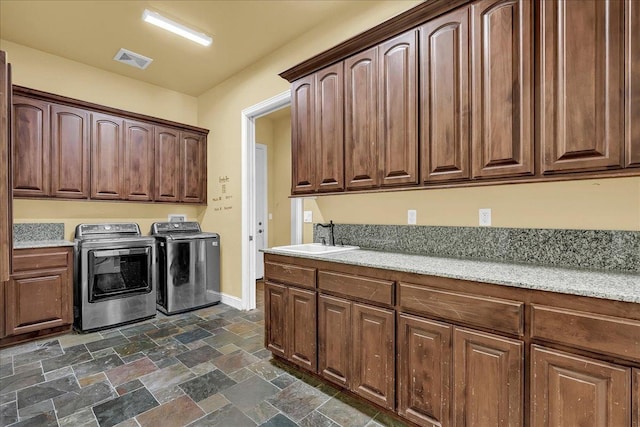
92, 31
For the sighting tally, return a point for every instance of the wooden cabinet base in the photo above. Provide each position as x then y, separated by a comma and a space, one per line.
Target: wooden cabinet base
35, 335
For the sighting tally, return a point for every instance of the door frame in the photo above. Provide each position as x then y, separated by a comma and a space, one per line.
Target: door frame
264, 186
248, 118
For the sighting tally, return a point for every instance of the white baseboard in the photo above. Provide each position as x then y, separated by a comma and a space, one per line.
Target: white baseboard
231, 301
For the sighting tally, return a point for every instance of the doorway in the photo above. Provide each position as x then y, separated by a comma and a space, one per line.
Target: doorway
262, 222
249, 223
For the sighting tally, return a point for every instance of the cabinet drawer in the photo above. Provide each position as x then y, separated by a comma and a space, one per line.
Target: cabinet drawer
40, 259
292, 274
363, 288
492, 313
603, 334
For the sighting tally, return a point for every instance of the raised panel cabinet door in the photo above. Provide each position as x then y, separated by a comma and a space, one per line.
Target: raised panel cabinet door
398, 109
31, 149
444, 97
374, 354
487, 379
424, 370
107, 144
635, 413
275, 325
329, 128
303, 148
502, 98
334, 339
193, 167
167, 164
138, 161
571, 390
301, 307
69, 152
632, 83
581, 84
37, 300
361, 120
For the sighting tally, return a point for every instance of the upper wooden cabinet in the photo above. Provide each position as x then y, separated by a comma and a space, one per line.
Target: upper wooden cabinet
31, 148
138, 162
445, 103
91, 151
167, 164
302, 132
69, 152
632, 82
500, 91
107, 150
361, 120
581, 70
502, 82
318, 131
398, 109
329, 128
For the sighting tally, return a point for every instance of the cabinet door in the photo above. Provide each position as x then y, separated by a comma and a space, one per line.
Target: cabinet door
444, 102
632, 67
329, 125
37, 300
581, 84
424, 369
301, 307
398, 109
31, 148
488, 380
570, 390
361, 120
193, 166
303, 150
107, 140
69, 152
635, 414
138, 161
502, 52
373, 354
334, 339
167, 164
275, 303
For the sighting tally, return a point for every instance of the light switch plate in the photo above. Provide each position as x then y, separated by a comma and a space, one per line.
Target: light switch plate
411, 216
308, 216
484, 217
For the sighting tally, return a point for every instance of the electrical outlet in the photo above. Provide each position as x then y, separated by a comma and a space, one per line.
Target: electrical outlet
308, 216
411, 216
484, 217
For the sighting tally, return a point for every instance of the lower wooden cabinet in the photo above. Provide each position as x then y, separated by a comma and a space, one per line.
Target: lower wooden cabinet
290, 324
488, 378
424, 371
635, 414
356, 344
39, 294
571, 390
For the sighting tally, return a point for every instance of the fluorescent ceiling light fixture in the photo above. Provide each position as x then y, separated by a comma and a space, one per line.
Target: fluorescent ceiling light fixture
176, 28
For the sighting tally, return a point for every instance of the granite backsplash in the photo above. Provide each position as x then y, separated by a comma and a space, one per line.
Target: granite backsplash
591, 249
29, 232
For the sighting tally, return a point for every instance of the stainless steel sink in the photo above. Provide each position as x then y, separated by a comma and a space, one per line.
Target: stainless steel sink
315, 248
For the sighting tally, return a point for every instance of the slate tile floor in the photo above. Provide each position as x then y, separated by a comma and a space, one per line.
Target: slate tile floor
203, 368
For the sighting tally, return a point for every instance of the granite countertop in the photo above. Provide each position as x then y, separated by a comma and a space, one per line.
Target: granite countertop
591, 283
30, 244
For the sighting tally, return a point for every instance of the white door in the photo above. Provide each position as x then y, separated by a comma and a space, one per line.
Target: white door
261, 207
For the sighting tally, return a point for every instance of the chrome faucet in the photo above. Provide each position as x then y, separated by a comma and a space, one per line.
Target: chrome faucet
330, 225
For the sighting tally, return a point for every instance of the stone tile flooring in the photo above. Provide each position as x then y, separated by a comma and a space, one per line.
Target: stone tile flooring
204, 368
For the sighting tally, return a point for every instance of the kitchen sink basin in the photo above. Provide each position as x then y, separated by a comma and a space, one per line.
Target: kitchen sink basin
315, 248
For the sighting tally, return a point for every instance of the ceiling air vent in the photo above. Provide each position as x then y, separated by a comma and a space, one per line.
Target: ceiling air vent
131, 58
